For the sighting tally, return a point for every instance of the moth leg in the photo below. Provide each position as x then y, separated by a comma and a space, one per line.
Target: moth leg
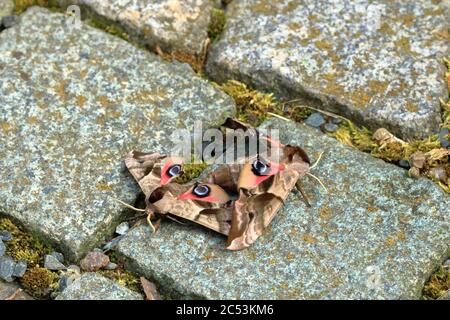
149, 221
299, 186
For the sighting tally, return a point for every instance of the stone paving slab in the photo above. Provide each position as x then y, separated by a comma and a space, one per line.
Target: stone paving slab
173, 25
378, 63
377, 235
73, 102
92, 286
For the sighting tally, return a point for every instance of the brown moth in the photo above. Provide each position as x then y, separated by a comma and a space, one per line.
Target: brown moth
154, 174
237, 200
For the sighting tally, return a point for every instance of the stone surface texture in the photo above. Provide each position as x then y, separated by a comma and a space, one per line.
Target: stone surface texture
92, 286
377, 234
379, 63
173, 25
73, 102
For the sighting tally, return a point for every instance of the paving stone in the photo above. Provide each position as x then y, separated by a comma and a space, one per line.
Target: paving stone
6, 8
92, 286
2, 248
6, 268
378, 63
52, 263
8, 289
173, 25
73, 103
378, 234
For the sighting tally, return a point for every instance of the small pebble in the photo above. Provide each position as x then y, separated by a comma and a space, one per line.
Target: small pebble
2, 248
5, 235
9, 21
94, 261
74, 269
315, 120
336, 120
439, 174
111, 266
65, 281
444, 138
330, 127
97, 250
417, 159
7, 268
447, 264
404, 164
20, 268
110, 245
122, 228
52, 263
58, 256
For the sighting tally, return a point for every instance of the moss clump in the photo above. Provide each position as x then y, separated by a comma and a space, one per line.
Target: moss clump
438, 284
217, 24
191, 171
252, 106
23, 246
39, 282
21, 5
109, 27
123, 278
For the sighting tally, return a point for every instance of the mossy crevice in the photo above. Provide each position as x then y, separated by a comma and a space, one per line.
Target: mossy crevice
438, 284
37, 281
217, 24
22, 5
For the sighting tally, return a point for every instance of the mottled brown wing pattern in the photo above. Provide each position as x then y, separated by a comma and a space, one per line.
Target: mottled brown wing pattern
210, 215
240, 207
146, 169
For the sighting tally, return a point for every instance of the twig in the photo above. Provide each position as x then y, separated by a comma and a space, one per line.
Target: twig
14, 294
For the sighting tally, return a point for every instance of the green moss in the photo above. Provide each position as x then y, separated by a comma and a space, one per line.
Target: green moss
22, 5
217, 24
252, 106
24, 246
123, 277
103, 24
191, 171
39, 282
437, 285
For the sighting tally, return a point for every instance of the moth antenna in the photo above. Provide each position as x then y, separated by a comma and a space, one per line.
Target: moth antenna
128, 205
318, 180
149, 221
299, 186
136, 217
317, 161
278, 116
172, 218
